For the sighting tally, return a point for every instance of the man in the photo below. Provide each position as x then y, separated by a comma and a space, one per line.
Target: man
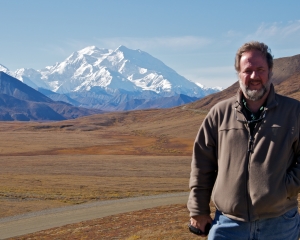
246, 158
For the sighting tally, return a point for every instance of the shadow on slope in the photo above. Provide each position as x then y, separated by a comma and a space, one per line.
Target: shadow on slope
22, 103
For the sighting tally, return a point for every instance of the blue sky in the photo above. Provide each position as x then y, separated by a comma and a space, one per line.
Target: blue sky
196, 38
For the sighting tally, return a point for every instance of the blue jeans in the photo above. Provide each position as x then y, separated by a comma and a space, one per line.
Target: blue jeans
284, 227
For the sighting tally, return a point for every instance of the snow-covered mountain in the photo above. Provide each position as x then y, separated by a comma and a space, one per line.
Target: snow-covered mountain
123, 68
24, 75
94, 71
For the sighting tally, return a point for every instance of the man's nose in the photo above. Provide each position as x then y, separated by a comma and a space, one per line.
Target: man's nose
254, 75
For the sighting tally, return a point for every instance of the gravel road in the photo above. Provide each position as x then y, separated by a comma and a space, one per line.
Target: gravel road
37, 221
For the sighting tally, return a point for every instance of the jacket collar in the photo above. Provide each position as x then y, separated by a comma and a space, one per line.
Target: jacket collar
271, 99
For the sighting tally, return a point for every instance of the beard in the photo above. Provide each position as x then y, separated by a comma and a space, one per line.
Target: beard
255, 95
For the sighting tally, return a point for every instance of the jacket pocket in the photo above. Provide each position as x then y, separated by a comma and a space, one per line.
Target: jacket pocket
291, 214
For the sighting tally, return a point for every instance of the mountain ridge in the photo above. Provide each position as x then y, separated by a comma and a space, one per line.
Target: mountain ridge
23, 103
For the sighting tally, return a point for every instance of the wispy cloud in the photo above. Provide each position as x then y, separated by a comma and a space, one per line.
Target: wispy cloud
167, 43
156, 45
278, 30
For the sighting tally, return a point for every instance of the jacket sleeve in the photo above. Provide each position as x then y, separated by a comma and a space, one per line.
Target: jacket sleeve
293, 174
203, 167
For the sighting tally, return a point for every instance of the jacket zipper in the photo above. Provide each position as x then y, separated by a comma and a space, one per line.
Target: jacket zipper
250, 146
250, 150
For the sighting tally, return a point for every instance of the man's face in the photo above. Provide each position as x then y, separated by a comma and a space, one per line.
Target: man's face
254, 75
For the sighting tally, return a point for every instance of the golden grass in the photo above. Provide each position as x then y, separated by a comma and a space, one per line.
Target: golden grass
69, 162
64, 179
101, 157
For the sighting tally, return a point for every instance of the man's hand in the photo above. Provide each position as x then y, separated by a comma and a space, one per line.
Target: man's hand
200, 222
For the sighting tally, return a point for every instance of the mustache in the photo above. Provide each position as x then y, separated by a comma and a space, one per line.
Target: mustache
254, 81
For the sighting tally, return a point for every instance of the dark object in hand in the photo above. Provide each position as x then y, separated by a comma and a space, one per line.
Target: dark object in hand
198, 231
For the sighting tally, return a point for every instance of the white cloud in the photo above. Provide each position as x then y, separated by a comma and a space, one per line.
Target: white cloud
277, 30
282, 37
157, 46
166, 43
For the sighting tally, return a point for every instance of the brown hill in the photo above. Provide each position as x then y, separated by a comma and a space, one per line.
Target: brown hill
284, 68
290, 87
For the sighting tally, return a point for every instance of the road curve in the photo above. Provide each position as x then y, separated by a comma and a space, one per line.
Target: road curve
42, 220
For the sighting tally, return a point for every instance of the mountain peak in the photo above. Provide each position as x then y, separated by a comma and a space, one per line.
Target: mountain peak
93, 50
122, 48
88, 50
127, 50
3, 68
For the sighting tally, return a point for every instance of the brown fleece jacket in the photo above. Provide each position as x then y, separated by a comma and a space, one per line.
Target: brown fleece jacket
248, 178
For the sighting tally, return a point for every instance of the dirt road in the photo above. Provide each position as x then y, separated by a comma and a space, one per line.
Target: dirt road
37, 221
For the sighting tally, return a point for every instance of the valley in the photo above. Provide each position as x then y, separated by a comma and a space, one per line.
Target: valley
100, 157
